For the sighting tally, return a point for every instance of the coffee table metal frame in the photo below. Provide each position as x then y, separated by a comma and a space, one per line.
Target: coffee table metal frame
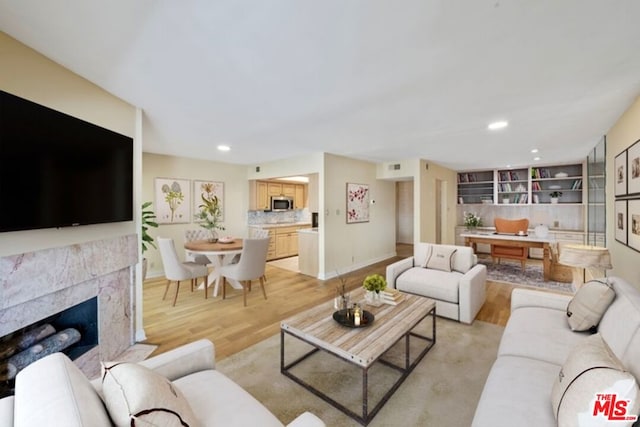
409, 366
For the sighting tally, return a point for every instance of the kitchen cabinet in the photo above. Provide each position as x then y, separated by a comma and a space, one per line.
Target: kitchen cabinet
299, 198
283, 241
289, 190
262, 196
308, 252
274, 189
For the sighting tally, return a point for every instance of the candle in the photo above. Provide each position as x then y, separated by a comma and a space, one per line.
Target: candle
356, 318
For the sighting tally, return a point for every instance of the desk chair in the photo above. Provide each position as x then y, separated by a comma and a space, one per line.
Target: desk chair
176, 271
252, 264
510, 226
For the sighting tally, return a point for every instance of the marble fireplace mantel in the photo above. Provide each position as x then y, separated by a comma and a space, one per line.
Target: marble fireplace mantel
36, 285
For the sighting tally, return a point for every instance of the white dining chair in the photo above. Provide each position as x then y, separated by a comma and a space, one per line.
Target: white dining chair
176, 271
191, 235
252, 265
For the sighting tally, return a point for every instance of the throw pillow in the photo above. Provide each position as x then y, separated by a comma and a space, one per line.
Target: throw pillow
589, 378
441, 258
588, 305
137, 396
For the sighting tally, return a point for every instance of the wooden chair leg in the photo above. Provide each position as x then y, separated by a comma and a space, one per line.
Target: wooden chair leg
244, 293
264, 292
175, 298
166, 290
206, 288
192, 280
224, 287
524, 264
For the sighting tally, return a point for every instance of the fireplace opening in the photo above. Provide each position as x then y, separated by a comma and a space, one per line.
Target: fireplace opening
73, 331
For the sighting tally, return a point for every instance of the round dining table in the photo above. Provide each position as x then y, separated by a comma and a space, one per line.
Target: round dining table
219, 254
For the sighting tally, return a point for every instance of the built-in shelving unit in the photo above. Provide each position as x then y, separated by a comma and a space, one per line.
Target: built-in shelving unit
531, 185
567, 180
513, 186
475, 187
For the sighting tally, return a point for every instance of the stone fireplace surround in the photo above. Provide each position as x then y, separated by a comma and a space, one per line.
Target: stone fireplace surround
36, 285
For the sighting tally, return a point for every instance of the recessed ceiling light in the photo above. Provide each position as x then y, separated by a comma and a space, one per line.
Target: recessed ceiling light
224, 148
498, 125
534, 150
536, 158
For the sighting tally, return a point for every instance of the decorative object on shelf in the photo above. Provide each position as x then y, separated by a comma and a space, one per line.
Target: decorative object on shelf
374, 284
148, 218
555, 195
555, 187
210, 214
561, 175
505, 200
583, 258
172, 201
357, 203
472, 221
541, 218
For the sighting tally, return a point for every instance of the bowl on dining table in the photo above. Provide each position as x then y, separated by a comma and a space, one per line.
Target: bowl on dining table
226, 239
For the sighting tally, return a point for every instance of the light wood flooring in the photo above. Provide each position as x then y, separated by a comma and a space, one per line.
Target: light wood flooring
233, 327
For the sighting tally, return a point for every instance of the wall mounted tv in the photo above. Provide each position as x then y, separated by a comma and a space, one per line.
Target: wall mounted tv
60, 171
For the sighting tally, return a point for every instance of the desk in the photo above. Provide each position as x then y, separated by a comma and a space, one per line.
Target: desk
471, 239
219, 254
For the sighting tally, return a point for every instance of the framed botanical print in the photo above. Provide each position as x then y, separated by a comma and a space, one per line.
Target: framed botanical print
621, 221
620, 166
357, 203
633, 169
172, 201
208, 189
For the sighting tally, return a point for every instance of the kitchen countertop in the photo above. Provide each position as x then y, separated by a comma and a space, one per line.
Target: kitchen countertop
279, 224
309, 230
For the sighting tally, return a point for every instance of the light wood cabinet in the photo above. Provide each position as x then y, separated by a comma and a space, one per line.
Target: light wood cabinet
299, 198
289, 190
274, 188
283, 241
262, 196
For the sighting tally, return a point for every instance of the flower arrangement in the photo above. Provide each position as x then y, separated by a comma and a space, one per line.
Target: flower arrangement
472, 220
374, 283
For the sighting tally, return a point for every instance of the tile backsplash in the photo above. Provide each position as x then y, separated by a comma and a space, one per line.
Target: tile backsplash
266, 217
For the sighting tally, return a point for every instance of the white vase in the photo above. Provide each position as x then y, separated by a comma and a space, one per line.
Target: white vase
554, 200
542, 231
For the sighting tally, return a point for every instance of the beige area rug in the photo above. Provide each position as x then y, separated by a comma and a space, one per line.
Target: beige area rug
443, 390
290, 264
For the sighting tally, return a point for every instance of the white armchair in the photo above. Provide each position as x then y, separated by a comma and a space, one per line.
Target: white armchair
448, 274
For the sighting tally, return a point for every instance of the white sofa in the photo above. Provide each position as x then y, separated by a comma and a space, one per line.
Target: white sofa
53, 392
459, 294
535, 345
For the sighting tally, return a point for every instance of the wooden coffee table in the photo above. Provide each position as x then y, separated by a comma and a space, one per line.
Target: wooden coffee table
360, 346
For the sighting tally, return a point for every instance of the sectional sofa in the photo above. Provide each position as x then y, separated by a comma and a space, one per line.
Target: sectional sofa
535, 346
53, 392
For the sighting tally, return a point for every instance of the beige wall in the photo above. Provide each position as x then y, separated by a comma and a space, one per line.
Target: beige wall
350, 246
236, 197
27, 74
623, 133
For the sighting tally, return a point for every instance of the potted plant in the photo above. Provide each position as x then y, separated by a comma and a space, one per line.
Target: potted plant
472, 221
374, 283
148, 221
210, 214
555, 195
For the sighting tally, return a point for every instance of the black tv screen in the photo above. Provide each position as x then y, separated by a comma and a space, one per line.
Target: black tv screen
57, 170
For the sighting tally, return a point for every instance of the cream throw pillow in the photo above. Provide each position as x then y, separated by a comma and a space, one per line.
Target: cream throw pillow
137, 396
589, 304
441, 258
591, 369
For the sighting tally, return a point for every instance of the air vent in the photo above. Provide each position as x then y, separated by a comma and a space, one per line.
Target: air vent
394, 167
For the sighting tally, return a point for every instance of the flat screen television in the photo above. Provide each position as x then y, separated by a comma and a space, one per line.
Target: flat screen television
58, 171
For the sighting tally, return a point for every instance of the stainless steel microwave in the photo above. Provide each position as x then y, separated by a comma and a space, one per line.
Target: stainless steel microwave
281, 203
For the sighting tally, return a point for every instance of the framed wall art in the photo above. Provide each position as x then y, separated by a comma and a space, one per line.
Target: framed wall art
633, 214
620, 167
621, 221
357, 203
207, 189
172, 200
633, 169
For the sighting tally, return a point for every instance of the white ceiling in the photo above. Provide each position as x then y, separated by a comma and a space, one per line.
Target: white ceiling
378, 80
